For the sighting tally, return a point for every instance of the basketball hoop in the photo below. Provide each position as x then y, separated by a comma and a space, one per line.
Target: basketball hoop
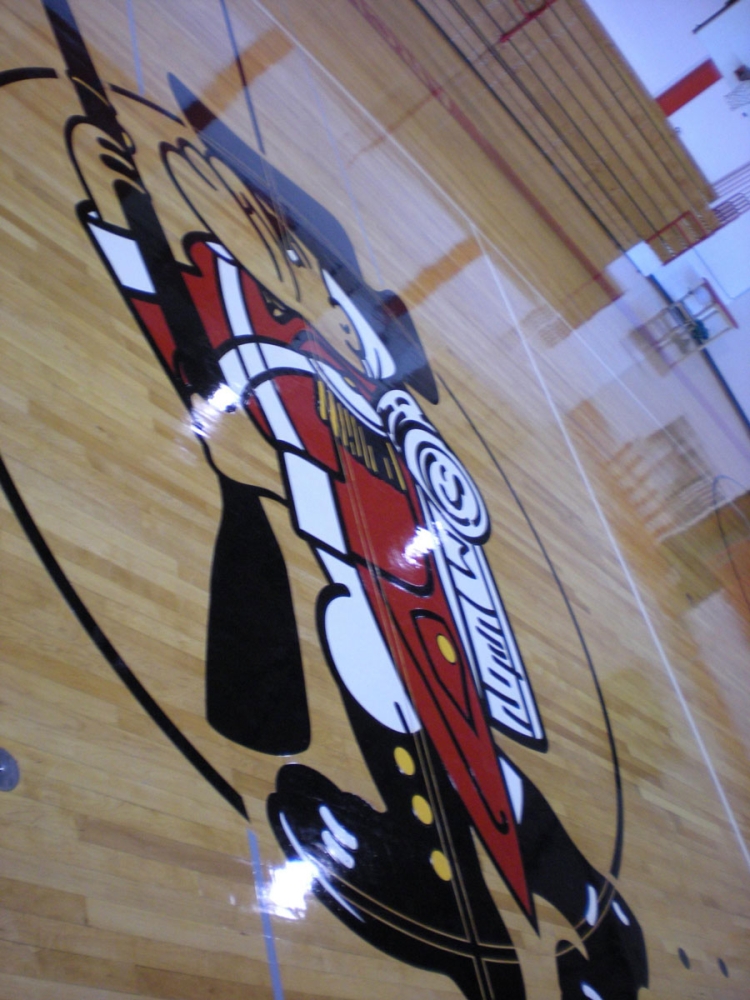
740, 95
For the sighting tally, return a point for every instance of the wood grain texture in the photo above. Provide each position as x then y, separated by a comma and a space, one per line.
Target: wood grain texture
122, 873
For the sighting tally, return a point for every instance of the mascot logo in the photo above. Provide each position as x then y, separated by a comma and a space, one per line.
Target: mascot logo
279, 329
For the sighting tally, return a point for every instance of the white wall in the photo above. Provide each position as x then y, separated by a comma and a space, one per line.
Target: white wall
657, 39
725, 259
717, 137
727, 38
656, 36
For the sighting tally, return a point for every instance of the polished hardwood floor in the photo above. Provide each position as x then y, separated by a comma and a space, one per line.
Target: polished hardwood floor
617, 488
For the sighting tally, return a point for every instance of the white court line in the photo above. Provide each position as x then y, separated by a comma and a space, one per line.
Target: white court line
136, 49
340, 164
265, 918
616, 378
623, 564
575, 331
483, 241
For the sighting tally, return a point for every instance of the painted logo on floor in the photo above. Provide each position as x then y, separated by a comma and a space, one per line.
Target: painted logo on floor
283, 331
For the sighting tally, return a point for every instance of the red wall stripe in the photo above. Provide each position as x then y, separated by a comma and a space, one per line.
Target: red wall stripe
698, 80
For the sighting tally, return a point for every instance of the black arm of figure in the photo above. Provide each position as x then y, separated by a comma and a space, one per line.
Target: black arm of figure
255, 687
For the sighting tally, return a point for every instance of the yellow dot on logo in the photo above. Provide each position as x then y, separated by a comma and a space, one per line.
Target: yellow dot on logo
421, 809
404, 761
446, 648
440, 863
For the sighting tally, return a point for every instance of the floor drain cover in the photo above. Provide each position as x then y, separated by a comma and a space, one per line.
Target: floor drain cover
8, 771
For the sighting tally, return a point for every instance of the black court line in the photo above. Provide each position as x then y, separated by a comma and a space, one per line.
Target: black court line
27, 73
722, 532
74, 601
124, 92
108, 651
616, 862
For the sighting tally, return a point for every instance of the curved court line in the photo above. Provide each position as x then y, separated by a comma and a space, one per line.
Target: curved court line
616, 862
108, 651
27, 73
76, 604
132, 96
625, 568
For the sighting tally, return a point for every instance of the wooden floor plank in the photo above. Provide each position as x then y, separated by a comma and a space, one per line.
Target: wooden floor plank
622, 571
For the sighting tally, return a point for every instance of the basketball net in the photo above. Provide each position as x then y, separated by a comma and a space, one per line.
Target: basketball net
739, 96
